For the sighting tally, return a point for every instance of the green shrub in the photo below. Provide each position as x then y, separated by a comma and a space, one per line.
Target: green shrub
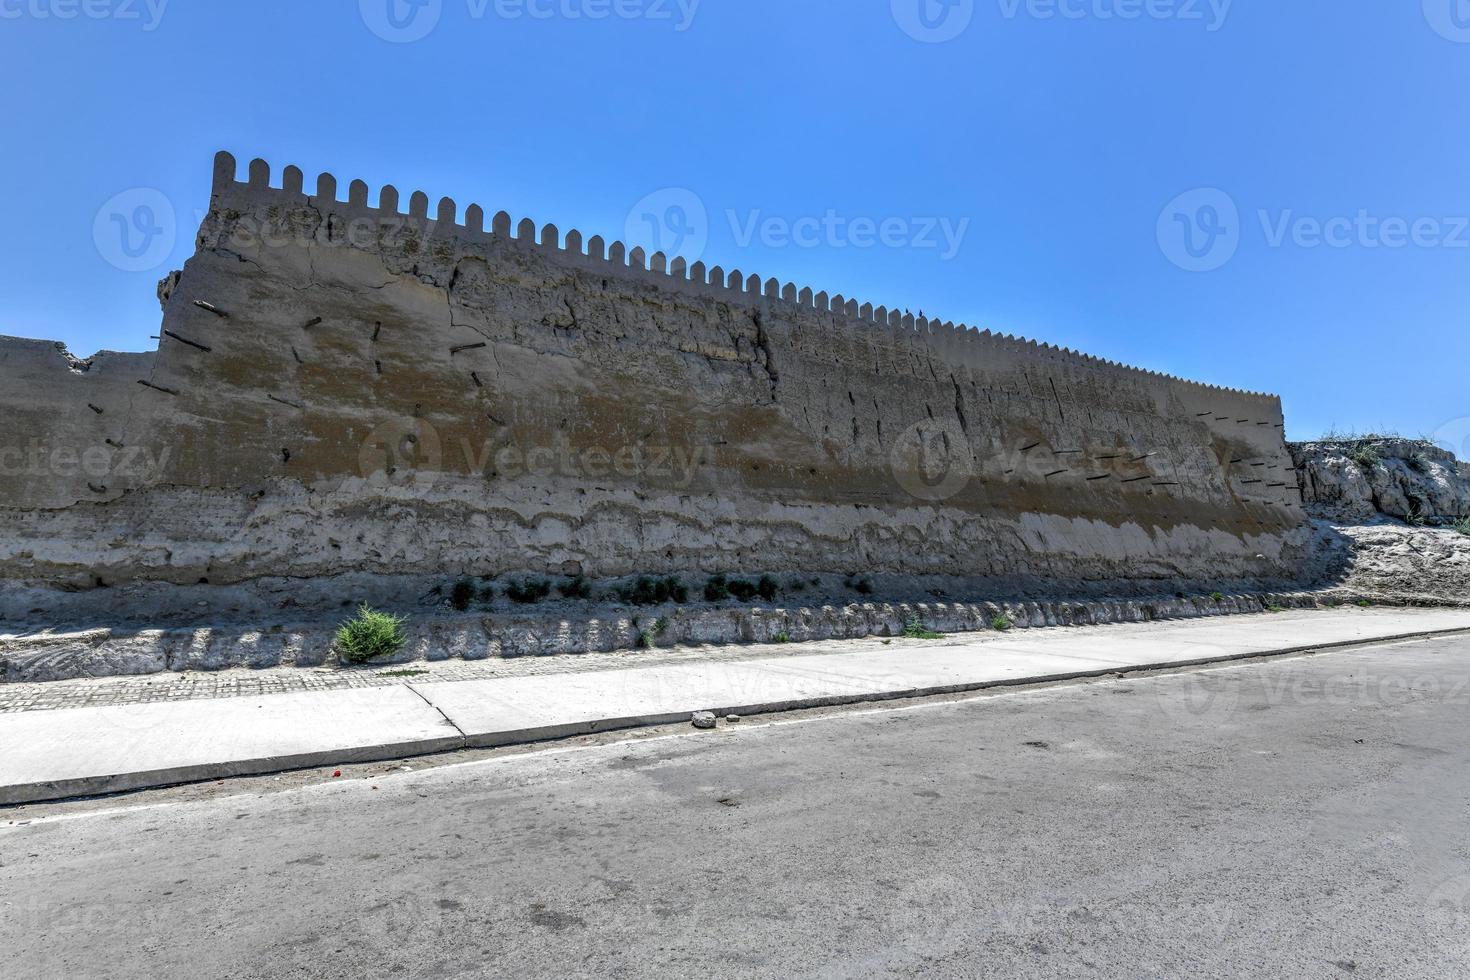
646, 591
742, 590
1463, 526
1218, 596
462, 594
781, 637
370, 635
767, 588
1272, 607
576, 588
529, 592
1001, 623
640, 593
717, 589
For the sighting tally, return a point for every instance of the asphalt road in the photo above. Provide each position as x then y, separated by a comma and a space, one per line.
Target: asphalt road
1302, 818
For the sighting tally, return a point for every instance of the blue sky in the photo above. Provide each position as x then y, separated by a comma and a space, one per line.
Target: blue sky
1269, 195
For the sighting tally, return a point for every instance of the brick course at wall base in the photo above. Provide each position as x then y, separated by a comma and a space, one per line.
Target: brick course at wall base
344, 388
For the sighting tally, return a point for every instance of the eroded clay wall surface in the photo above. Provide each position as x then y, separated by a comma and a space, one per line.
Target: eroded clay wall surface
344, 387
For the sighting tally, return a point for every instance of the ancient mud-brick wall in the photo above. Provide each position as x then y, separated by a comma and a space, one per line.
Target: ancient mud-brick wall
344, 387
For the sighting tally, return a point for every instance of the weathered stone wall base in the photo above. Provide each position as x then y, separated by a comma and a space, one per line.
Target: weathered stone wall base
109, 653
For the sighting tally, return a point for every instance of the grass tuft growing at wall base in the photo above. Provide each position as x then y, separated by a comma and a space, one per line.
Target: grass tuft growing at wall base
370, 635
914, 629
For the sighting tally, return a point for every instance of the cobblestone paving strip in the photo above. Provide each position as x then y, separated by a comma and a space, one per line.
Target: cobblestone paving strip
238, 683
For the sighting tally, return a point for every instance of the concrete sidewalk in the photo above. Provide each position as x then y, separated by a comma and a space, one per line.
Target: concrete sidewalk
56, 754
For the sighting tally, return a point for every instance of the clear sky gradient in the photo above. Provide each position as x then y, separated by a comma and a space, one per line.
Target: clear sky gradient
1262, 194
